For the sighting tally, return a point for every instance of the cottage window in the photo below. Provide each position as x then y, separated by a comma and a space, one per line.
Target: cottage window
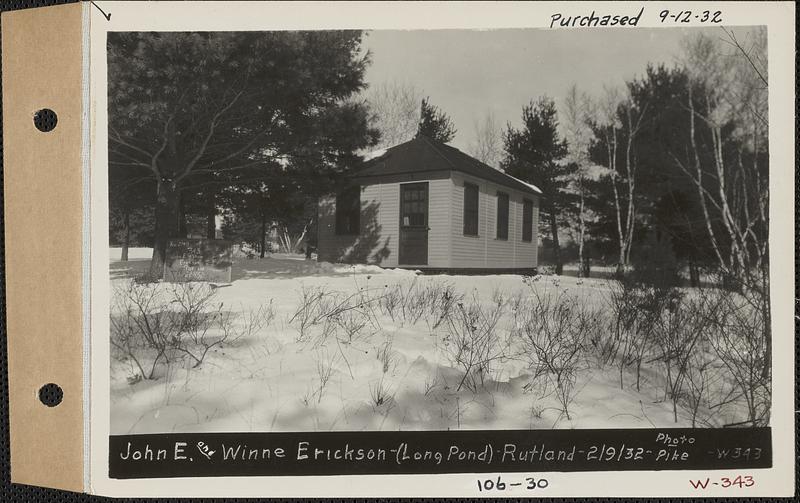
527, 220
502, 215
470, 209
348, 211
414, 208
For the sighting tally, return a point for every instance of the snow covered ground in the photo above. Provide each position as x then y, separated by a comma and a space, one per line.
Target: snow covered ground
391, 375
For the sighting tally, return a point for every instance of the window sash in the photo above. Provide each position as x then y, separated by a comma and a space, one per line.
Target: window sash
502, 215
414, 206
527, 220
471, 195
348, 211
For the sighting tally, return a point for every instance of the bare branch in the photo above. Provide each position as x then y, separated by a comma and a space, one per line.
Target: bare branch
117, 138
212, 126
746, 55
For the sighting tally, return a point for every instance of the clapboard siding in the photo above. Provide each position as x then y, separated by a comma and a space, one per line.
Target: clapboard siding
439, 222
535, 242
485, 250
466, 251
376, 242
329, 245
387, 199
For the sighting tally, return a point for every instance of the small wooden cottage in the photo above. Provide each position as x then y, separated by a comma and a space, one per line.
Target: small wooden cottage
426, 205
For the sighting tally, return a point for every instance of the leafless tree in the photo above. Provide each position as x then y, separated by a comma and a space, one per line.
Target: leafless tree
728, 99
488, 144
610, 126
634, 118
395, 111
727, 89
577, 112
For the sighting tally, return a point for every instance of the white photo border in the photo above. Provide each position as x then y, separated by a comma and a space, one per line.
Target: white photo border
258, 16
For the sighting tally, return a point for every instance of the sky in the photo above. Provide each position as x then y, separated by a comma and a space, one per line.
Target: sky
467, 73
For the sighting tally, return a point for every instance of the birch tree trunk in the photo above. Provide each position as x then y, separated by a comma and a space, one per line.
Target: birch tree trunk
612, 164
556, 246
583, 261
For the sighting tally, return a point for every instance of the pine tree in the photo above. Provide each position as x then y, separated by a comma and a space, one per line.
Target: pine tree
435, 124
194, 112
534, 154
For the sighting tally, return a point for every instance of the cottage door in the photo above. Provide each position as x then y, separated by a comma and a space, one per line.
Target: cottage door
413, 249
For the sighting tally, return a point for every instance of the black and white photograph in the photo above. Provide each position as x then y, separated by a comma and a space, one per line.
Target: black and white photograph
439, 230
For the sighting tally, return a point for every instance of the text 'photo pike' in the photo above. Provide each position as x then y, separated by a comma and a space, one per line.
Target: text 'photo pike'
438, 230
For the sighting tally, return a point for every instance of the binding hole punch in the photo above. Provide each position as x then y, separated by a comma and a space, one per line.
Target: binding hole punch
51, 394
45, 120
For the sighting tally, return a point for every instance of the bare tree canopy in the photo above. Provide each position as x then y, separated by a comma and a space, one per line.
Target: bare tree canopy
394, 111
488, 144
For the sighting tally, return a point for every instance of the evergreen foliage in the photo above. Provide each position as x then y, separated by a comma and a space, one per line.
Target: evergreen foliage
435, 124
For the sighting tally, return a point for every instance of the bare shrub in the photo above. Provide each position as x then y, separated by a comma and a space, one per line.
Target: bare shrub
442, 300
431, 383
553, 328
197, 313
635, 308
678, 333
380, 393
206, 324
536, 411
386, 356
355, 315
474, 343
157, 323
254, 320
739, 337
352, 323
621, 301
308, 310
393, 302
242, 325
142, 327
324, 373
704, 381
410, 302
390, 301
321, 314
413, 301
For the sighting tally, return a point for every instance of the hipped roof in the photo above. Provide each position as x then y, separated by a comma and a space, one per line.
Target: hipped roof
423, 154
